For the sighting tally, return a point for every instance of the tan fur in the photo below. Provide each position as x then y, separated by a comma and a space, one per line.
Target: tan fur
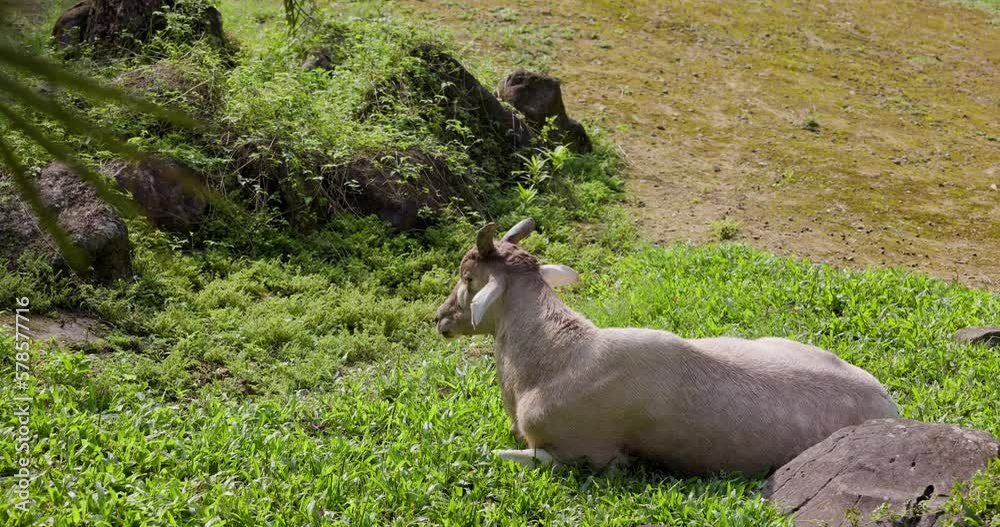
695, 406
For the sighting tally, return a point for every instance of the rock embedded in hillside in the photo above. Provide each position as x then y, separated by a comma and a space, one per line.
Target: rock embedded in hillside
19, 232
373, 186
328, 51
909, 465
987, 335
539, 98
93, 226
400, 187
465, 94
319, 58
172, 195
118, 24
168, 82
440, 90
70, 28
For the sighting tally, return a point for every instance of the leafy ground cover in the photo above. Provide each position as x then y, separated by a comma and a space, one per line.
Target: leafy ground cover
252, 376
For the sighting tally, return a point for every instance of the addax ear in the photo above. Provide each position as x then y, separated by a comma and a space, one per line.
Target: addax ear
485, 298
559, 275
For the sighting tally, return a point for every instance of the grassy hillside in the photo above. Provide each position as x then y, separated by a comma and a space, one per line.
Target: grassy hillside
259, 374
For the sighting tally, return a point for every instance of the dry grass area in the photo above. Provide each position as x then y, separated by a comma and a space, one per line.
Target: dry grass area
852, 132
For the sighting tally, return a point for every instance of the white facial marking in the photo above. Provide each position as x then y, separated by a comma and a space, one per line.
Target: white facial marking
463, 295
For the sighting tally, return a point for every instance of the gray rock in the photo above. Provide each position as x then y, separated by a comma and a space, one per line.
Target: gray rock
539, 98
329, 51
186, 89
909, 465
988, 335
367, 185
171, 194
93, 226
19, 232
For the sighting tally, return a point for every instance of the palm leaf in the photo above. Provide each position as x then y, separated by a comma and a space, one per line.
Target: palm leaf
13, 57
57, 74
71, 120
27, 189
124, 205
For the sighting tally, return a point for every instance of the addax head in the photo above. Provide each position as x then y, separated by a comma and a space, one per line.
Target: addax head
484, 274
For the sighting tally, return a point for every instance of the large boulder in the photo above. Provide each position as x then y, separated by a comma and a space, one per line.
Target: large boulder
909, 465
986, 335
93, 226
172, 195
319, 58
69, 30
327, 51
467, 96
172, 85
118, 24
435, 75
19, 232
539, 98
400, 187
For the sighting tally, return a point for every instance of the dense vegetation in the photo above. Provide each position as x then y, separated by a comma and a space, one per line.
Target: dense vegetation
260, 374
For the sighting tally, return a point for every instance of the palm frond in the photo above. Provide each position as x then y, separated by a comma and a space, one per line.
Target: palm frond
124, 205
71, 120
48, 221
57, 74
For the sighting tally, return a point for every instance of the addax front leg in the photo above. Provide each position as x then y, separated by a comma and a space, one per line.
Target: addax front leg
529, 457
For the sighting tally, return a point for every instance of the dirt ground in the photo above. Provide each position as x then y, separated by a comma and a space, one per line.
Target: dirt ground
851, 132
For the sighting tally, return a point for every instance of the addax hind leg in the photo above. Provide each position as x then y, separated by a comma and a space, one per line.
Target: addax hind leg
538, 457
529, 457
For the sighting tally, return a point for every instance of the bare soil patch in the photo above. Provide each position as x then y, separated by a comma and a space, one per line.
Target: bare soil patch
850, 132
68, 329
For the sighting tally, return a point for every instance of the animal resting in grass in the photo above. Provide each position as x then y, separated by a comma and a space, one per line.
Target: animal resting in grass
577, 392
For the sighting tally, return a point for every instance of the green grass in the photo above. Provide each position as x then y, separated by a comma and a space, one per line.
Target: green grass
385, 423
254, 375
989, 5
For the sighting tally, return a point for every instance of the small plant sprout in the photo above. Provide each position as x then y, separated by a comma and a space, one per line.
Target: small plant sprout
535, 168
526, 197
810, 123
559, 156
724, 229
